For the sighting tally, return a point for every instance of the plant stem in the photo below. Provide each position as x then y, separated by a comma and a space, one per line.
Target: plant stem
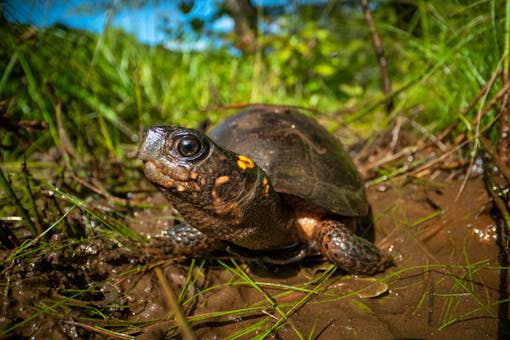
379, 52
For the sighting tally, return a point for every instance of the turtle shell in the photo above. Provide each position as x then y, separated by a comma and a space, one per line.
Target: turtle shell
300, 156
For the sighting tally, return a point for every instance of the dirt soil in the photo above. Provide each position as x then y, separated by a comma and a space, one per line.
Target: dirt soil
450, 279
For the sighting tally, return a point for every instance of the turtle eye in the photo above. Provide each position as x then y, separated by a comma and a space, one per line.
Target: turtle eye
188, 146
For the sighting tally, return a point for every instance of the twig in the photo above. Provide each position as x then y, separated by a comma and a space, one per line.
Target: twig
99, 191
500, 204
504, 129
467, 176
395, 134
435, 140
491, 103
441, 157
474, 150
379, 52
472, 104
505, 171
476, 122
503, 120
390, 158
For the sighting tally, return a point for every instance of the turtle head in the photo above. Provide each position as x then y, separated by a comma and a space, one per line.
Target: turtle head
223, 194
203, 181
172, 155
181, 162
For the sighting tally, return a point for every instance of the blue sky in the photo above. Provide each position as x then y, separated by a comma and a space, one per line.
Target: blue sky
144, 22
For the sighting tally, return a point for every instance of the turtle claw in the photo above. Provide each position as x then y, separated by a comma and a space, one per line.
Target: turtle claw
348, 251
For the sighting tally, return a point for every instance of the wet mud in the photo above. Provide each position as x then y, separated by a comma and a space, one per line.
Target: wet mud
449, 279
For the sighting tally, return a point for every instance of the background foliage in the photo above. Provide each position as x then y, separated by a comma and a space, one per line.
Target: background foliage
103, 88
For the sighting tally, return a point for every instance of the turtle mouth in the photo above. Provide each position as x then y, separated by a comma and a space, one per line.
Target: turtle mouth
154, 175
163, 175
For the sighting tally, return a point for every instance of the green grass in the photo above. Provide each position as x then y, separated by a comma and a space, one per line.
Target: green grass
74, 104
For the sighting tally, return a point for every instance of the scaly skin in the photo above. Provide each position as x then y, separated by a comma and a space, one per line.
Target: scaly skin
184, 239
348, 251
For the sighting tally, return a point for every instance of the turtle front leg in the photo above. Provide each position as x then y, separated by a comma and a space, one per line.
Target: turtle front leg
348, 251
184, 239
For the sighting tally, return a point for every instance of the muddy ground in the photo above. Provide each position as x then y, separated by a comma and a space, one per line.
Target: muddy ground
450, 278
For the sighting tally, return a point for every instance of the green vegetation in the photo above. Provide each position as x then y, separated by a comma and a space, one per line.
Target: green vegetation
74, 104
92, 92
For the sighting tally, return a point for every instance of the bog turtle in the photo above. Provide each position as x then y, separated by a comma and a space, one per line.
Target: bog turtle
269, 180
